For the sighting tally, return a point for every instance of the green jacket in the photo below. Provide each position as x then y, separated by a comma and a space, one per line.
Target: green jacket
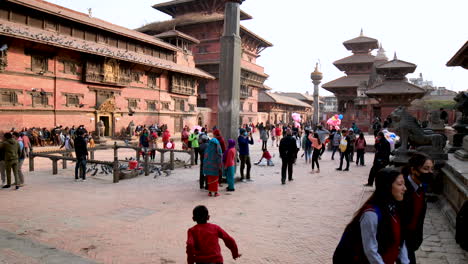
11, 148
193, 138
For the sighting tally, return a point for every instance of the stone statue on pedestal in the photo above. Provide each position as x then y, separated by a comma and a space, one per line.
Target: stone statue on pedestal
101, 128
130, 129
435, 123
461, 125
406, 126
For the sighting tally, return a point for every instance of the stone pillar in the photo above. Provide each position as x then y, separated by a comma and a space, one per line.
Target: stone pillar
316, 77
229, 72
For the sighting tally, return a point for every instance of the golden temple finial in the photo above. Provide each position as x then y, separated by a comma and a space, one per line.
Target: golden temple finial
362, 33
394, 56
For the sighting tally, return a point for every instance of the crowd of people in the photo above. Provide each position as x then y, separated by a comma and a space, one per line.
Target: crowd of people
386, 229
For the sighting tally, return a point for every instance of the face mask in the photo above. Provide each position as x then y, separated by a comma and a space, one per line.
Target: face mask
246, 134
426, 177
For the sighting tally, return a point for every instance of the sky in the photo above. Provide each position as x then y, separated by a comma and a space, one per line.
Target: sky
303, 32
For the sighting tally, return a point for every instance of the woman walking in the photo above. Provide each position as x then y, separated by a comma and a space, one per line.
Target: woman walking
212, 164
317, 146
374, 235
230, 164
360, 149
307, 146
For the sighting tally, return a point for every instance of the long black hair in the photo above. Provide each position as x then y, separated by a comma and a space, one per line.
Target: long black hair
416, 162
317, 137
383, 199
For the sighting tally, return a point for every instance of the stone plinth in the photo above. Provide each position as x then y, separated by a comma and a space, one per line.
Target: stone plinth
450, 132
462, 154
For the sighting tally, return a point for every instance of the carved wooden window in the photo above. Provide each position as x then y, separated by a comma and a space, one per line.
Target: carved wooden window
152, 80
101, 38
165, 105
151, 105
90, 36
112, 42
182, 84
50, 25
40, 99
18, 17
244, 91
8, 97
73, 99
202, 49
35, 22
39, 64
78, 33
191, 107
136, 77
132, 103
122, 44
69, 67
65, 30
4, 13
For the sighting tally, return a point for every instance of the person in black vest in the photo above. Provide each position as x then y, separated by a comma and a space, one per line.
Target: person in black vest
381, 157
288, 152
81, 151
417, 174
374, 235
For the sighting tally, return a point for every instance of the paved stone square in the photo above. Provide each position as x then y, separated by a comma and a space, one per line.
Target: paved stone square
145, 220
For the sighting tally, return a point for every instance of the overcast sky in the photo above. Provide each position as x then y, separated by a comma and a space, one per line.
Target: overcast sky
425, 32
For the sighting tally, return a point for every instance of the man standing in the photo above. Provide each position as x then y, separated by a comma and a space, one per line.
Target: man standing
244, 139
288, 152
193, 139
352, 138
2, 164
344, 150
12, 152
264, 136
21, 156
381, 157
81, 151
336, 138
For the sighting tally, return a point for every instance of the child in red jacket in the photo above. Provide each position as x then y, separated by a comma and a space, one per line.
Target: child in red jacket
202, 240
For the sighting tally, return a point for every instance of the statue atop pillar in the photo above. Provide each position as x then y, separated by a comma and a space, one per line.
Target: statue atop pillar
101, 128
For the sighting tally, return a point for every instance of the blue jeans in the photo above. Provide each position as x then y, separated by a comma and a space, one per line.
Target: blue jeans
80, 162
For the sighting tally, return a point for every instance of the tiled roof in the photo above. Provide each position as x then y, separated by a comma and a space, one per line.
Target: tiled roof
361, 39
394, 64
51, 38
460, 58
268, 97
396, 87
299, 96
347, 81
356, 58
195, 18
168, 8
73, 15
176, 33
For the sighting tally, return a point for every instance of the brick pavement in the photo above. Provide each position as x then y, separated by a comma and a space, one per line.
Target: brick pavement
144, 220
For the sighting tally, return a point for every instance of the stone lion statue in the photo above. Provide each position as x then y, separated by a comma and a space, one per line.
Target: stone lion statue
407, 127
461, 104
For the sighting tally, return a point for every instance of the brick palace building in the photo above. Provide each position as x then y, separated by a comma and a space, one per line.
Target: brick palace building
62, 67
204, 20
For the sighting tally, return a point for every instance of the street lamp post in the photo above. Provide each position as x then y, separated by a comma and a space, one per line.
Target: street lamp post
316, 77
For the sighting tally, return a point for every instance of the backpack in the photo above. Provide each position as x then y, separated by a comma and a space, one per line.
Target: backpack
360, 144
349, 250
343, 144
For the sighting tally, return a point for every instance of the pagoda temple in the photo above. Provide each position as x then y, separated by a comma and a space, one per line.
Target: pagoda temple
373, 86
203, 21
350, 89
395, 90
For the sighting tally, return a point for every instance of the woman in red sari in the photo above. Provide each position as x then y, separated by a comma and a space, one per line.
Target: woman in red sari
184, 138
166, 137
212, 164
